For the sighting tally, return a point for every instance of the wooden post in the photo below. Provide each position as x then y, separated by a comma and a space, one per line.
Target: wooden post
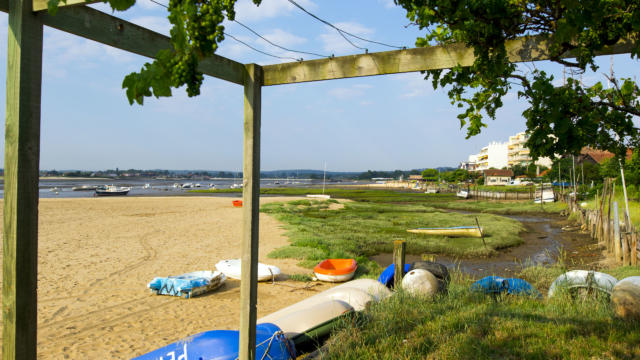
21, 164
634, 247
617, 247
626, 251
399, 247
251, 207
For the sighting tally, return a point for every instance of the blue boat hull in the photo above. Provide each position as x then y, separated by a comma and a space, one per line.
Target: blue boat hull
224, 344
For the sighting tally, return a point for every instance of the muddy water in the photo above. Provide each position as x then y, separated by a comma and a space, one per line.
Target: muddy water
544, 242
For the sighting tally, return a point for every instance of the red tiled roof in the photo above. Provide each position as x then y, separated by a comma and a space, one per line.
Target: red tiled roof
498, 172
601, 155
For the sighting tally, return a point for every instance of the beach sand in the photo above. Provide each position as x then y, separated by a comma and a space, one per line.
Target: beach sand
96, 256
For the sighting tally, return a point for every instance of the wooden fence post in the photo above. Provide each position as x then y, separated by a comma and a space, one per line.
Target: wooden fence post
617, 247
399, 247
21, 165
634, 247
251, 211
626, 251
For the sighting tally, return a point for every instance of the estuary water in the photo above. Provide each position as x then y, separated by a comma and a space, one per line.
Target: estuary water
63, 188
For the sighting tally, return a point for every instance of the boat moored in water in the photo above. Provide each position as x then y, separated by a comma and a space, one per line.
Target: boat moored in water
111, 190
84, 188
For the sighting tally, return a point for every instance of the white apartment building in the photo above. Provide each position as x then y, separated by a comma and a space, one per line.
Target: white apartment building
500, 155
493, 155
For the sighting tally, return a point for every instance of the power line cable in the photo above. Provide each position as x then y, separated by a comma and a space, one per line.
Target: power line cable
276, 45
251, 47
343, 32
260, 51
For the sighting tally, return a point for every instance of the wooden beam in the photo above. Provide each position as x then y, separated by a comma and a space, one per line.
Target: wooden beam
110, 30
21, 163
39, 5
251, 211
409, 60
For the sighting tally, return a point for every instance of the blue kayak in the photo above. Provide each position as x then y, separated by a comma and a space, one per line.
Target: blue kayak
497, 285
386, 278
224, 344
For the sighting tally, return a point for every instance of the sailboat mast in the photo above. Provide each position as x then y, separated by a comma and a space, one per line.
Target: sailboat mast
324, 176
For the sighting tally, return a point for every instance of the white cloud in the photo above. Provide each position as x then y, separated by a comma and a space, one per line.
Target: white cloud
158, 24
356, 90
415, 85
387, 3
64, 51
334, 43
284, 38
246, 10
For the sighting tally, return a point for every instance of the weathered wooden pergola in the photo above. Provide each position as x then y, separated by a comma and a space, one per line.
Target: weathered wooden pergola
22, 138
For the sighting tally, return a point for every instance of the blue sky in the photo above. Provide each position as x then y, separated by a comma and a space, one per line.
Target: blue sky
383, 123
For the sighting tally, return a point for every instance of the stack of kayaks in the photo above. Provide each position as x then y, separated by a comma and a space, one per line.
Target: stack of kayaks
232, 269
335, 270
187, 285
224, 345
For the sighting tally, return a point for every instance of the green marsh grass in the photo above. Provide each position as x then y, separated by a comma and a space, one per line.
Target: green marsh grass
505, 207
363, 229
466, 325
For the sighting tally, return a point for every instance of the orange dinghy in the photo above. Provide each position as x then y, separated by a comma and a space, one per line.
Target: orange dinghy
336, 270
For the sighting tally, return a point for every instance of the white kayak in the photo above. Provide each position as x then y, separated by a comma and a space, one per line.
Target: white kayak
583, 279
626, 298
231, 268
319, 309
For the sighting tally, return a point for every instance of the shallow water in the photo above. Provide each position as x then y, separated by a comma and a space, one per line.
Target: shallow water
543, 238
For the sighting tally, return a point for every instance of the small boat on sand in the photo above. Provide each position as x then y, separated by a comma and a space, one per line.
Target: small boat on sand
454, 231
336, 270
232, 268
319, 196
314, 317
224, 345
187, 285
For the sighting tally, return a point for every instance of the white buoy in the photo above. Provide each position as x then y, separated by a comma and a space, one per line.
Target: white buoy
420, 282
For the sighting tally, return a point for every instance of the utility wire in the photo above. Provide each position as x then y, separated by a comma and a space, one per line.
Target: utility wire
276, 45
343, 32
260, 51
263, 38
251, 47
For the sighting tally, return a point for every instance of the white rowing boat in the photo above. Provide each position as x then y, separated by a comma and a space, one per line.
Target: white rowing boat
454, 231
232, 268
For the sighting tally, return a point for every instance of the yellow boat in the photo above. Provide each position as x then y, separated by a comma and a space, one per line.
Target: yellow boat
456, 231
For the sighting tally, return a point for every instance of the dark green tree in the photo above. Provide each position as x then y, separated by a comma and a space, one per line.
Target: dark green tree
561, 119
430, 174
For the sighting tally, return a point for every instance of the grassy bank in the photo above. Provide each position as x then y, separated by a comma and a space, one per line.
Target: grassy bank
443, 201
504, 207
465, 325
634, 207
365, 195
363, 229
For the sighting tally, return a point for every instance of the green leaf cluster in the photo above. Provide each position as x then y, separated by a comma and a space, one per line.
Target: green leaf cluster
561, 119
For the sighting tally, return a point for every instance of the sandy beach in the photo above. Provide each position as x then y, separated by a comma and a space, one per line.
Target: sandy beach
97, 255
